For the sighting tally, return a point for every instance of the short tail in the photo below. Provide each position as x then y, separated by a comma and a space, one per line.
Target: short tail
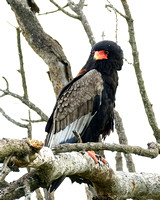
56, 183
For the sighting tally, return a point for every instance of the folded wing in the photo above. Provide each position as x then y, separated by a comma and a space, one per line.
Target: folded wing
75, 108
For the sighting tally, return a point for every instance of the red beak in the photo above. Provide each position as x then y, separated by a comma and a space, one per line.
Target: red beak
100, 55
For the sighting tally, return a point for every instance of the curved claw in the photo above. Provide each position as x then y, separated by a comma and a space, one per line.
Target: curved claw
97, 157
93, 155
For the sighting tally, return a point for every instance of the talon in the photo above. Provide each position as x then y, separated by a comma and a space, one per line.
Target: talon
97, 158
104, 161
101, 159
93, 155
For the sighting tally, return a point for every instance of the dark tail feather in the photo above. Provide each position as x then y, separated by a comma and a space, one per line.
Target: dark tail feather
55, 184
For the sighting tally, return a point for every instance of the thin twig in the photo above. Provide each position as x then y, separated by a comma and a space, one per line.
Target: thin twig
22, 72
7, 86
33, 121
12, 120
115, 12
54, 11
130, 63
64, 11
77, 136
111, 6
27, 103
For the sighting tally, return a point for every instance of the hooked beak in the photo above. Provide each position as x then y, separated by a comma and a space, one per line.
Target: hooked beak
100, 55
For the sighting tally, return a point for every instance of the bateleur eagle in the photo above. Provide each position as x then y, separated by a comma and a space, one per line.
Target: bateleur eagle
85, 104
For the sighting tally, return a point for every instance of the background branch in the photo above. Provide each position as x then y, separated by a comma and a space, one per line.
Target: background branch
27, 103
123, 140
77, 8
22, 72
147, 105
12, 120
64, 11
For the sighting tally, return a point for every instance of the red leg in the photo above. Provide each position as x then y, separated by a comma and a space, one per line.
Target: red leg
96, 157
93, 155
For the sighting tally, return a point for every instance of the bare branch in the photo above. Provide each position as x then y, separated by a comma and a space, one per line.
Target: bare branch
115, 12
22, 72
78, 10
7, 86
81, 4
119, 161
123, 140
147, 105
12, 120
5, 170
29, 126
39, 195
33, 121
27, 103
64, 11
152, 153
111, 6
46, 13
130, 63
27, 190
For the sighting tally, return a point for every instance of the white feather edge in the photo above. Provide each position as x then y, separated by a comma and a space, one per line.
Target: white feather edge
67, 134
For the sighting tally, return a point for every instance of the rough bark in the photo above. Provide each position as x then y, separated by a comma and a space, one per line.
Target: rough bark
152, 151
116, 185
24, 148
43, 44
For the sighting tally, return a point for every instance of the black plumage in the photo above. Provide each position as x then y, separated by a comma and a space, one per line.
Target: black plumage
86, 104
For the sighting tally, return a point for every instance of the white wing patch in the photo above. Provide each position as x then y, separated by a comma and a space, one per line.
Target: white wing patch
67, 134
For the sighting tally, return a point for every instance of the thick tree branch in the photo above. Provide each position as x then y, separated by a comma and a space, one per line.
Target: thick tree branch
117, 185
45, 46
147, 105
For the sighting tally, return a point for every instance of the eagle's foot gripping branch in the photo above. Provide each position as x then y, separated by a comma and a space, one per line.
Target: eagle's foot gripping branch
97, 158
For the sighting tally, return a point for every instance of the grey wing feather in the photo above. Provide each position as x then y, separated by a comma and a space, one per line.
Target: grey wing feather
74, 109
